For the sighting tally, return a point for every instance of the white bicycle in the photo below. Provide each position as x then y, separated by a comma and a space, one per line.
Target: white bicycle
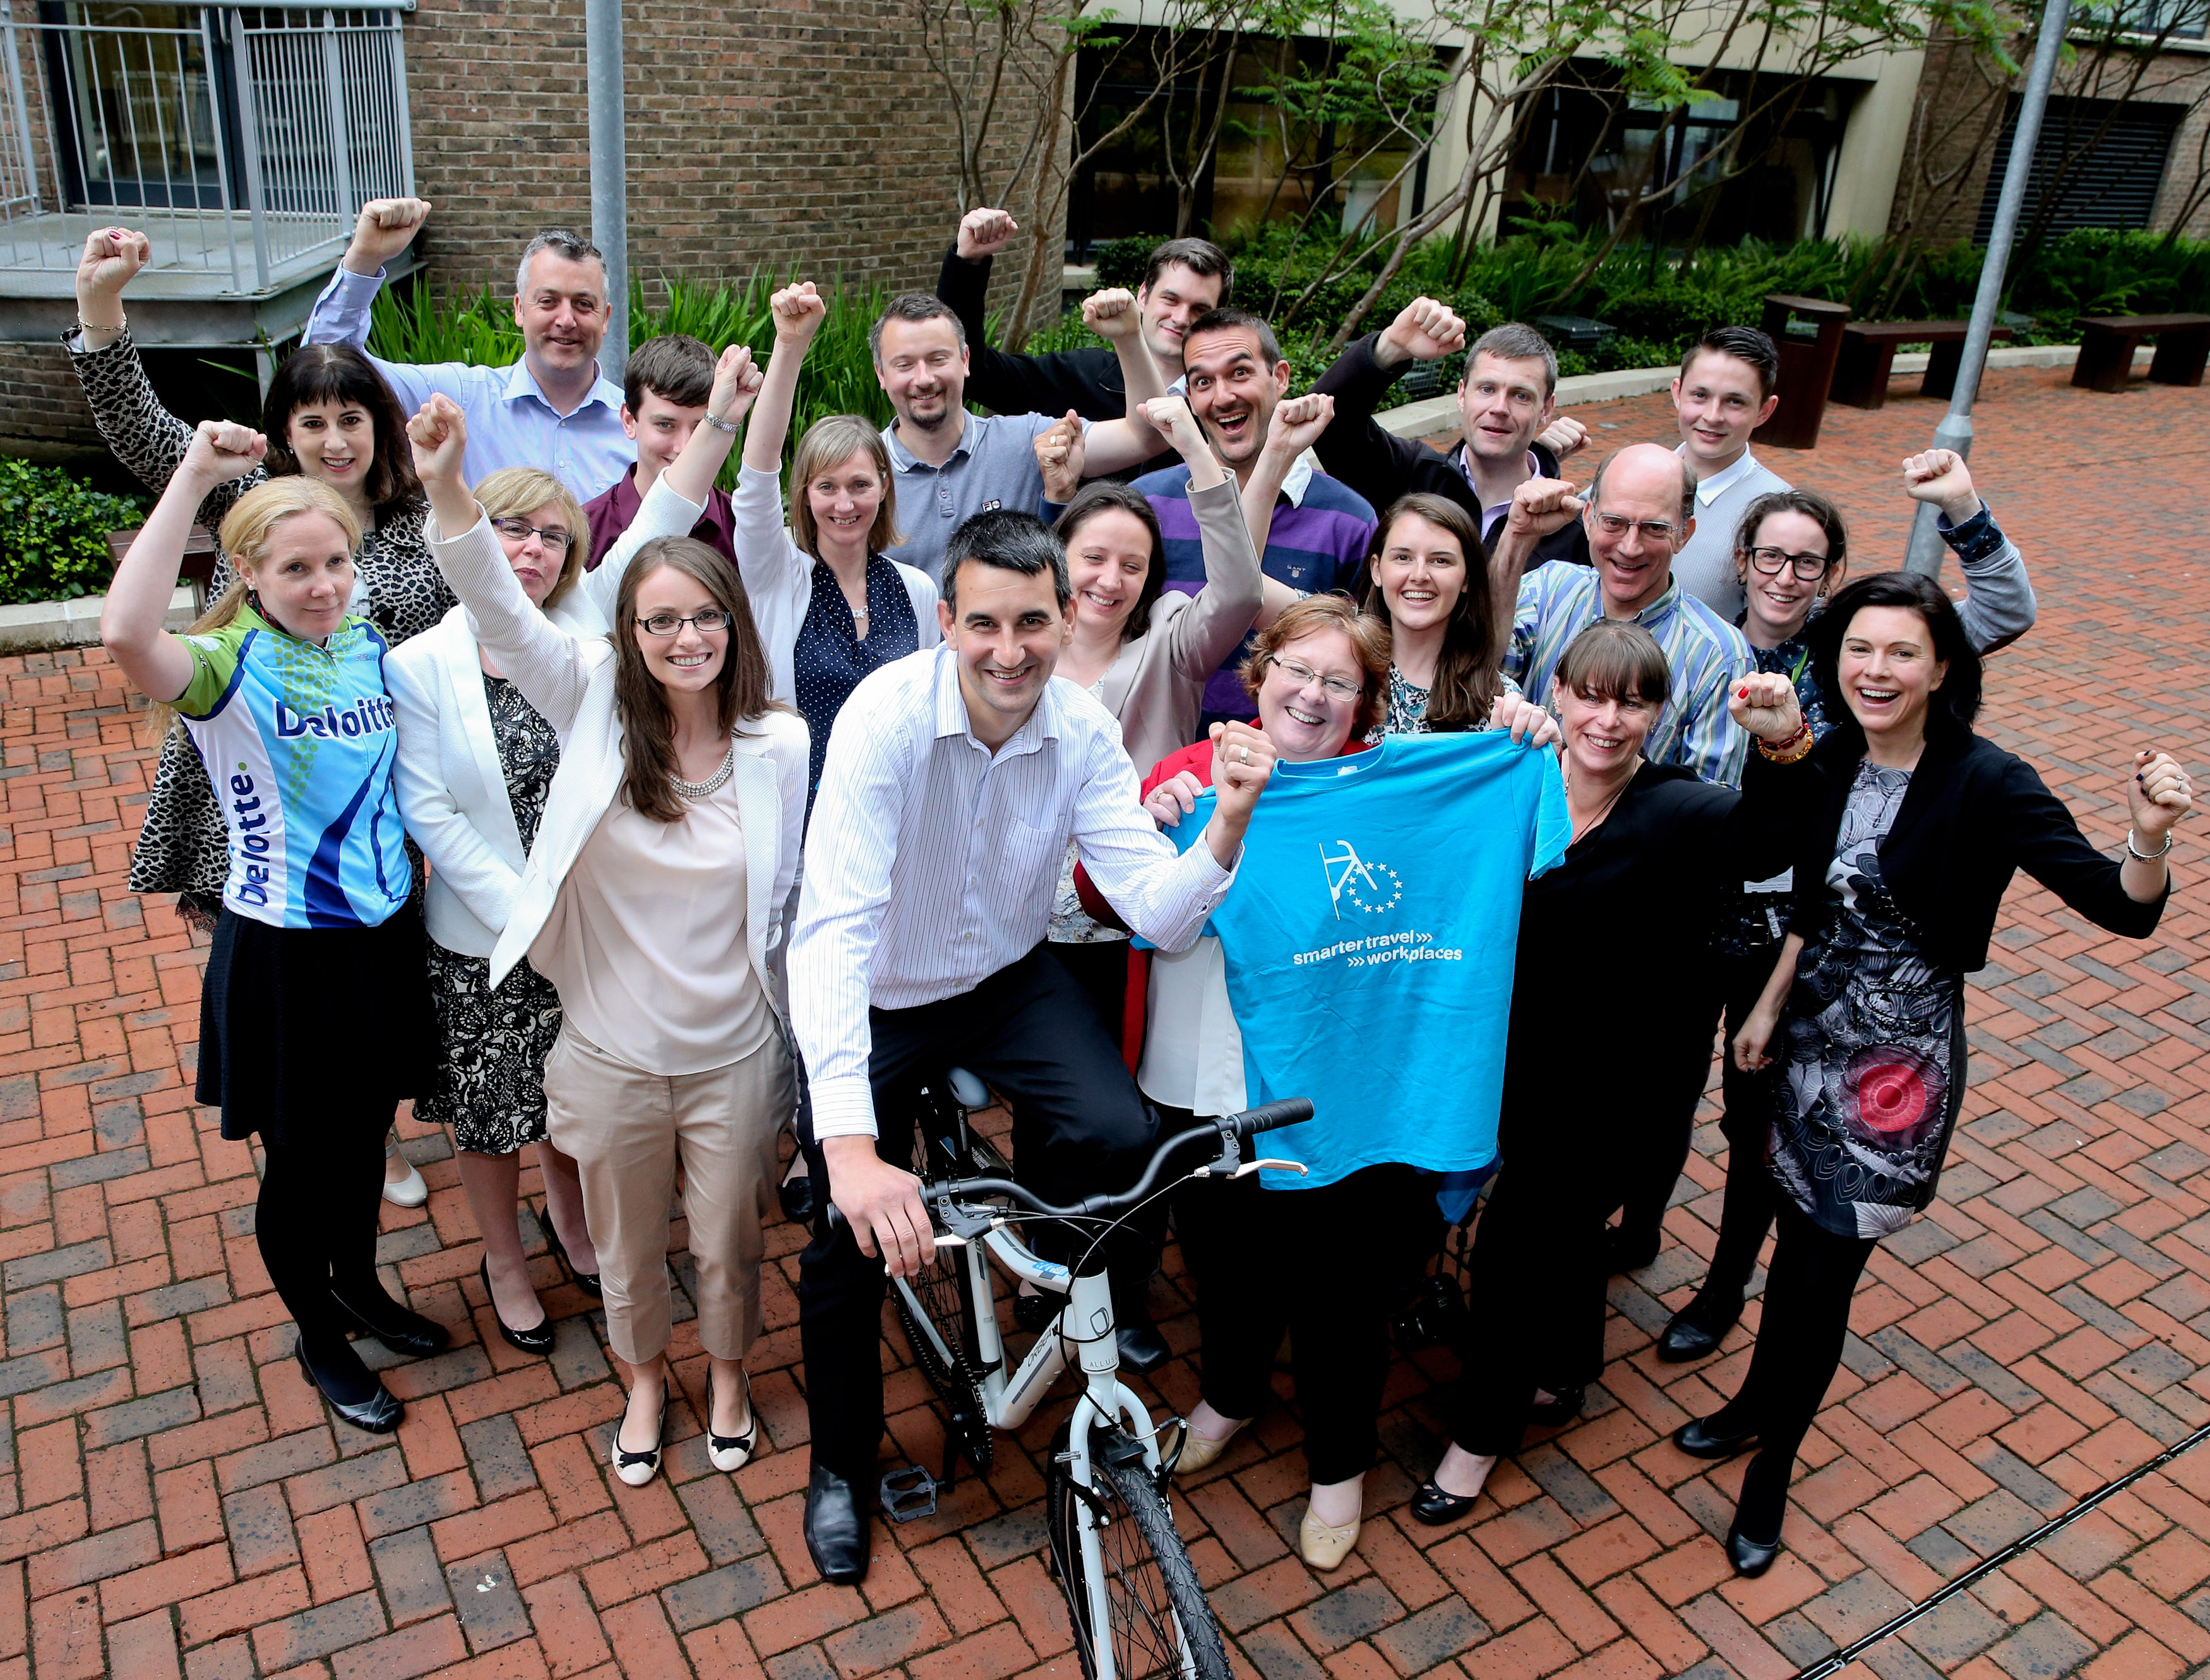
1138, 1609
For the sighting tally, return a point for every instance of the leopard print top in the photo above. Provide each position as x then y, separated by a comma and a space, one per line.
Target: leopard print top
183, 846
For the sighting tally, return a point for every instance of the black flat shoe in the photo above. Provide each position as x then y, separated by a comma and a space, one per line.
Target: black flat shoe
406, 1333
795, 1193
1142, 1347
1434, 1508
538, 1339
836, 1527
1558, 1411
1693, 1334
379, 1414
1033, 1313
1698, 1440
586, 1281
1750, 1557
1629, 1251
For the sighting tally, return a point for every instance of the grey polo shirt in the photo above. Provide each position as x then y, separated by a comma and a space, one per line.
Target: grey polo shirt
994, 466
1705, 565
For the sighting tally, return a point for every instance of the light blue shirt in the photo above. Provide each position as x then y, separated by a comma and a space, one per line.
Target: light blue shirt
994, 466
510, 422
1704, 655
1369, 967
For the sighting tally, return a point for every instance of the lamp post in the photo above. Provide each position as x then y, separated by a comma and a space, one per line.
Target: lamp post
602, 51
1955, 431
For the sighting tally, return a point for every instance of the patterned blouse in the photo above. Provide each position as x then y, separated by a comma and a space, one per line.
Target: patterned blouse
182, 846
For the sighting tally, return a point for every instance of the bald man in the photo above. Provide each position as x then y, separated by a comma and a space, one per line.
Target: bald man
1639, 513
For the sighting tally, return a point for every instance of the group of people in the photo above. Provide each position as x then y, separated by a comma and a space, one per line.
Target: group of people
636, 820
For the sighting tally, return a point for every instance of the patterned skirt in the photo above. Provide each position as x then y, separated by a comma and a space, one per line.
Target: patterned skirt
491, 1047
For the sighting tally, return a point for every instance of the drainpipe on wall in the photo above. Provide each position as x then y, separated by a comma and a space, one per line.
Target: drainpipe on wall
602, 51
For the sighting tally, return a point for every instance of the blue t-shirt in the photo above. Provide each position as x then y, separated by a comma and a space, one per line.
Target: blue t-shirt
1370, 936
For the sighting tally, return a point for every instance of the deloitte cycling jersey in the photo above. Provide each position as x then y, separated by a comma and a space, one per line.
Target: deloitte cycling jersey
1369, 938
297, 739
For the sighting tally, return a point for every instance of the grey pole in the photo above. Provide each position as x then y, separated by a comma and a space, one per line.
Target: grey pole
1955, 431
602, 49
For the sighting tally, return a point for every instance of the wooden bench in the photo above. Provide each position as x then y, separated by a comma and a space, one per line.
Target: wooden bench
2107, 343
1868, 356
197, 567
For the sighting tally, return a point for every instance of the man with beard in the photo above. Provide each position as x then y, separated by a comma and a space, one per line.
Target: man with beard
550, 410
1311, 530
948, 465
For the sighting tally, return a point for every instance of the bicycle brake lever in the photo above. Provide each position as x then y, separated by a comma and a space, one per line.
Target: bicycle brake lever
1248, 1167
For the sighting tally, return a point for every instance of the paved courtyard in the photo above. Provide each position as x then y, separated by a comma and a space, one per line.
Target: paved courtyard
174, 1499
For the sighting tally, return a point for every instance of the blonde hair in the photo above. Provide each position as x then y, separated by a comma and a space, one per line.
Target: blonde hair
515, 493
830, 441
244, 538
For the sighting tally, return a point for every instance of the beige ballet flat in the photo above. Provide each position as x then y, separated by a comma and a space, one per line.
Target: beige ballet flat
1322, 1546
1198, 1451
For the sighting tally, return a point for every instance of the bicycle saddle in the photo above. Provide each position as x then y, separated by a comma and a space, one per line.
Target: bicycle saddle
969, 1092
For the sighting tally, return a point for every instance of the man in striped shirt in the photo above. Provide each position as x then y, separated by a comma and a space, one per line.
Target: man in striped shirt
1639, 512
1315, 536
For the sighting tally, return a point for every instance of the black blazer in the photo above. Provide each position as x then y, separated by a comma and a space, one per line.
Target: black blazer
1380, 466
1974, 816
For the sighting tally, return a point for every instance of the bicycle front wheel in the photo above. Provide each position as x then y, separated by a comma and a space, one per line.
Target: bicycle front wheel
1155, 1623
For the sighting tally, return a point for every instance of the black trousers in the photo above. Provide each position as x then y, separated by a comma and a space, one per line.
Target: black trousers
316, 1222
1747, 1213
1079, 1127
1100, 967
1327, 1265
1537, 1268
1799, 1348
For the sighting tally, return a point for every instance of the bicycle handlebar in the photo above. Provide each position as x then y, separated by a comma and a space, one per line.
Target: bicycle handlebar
1266, 1117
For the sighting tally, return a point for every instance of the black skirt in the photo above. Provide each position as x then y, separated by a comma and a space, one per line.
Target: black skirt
302, 1028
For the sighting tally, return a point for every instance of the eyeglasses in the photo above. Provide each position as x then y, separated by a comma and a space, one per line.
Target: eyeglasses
1810, 568
667, 624
1304, 676
1655, 531
556, 541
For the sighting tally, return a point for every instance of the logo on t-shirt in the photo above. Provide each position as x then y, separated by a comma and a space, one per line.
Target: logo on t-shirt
1373, 888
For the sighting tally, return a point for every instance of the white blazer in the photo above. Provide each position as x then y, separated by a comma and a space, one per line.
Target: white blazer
452, 788
571, 679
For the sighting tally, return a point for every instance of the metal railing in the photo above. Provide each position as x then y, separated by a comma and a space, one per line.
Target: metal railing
244, 140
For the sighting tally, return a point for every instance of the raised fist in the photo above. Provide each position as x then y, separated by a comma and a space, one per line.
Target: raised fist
439, 437
385, 227
798, 312
1111, 314
112, 256
1423, 331
1298, 422
1940, 476
985, 234
1058, 452
223, 449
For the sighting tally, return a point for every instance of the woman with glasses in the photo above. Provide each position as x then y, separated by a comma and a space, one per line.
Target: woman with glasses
475, 762
650, 899
1792, 554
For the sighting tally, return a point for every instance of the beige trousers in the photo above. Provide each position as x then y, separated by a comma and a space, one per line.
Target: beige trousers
628, 1132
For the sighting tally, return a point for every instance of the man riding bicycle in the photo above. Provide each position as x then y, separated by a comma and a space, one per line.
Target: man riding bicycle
955, 779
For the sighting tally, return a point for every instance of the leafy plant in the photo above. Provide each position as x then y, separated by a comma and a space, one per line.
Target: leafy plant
53, 533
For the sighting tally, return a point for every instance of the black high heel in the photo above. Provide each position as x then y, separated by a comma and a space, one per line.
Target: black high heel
586, 1281
1751, 1558
536, 1340
795, 1193
380, 1414
1436, 1507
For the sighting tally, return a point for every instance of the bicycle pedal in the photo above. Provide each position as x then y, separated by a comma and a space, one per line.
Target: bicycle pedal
907, 1493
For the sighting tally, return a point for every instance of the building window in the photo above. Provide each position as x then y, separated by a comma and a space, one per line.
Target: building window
2102, 161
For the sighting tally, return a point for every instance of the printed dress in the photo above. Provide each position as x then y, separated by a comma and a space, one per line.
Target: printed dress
1874, 1044
491, 1045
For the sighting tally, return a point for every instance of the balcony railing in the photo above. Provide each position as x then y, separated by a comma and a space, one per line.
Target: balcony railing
243, 139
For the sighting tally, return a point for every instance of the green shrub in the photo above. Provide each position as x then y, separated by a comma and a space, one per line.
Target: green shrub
53, 533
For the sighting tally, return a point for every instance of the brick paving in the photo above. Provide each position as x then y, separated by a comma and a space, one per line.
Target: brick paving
174, 1501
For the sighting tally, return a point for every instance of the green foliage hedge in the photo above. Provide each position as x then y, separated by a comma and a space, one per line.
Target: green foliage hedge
53, 534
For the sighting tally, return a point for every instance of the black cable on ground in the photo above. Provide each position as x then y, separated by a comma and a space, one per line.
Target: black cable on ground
1849, 1654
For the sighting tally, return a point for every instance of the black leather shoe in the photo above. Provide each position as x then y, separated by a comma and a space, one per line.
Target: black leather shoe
404, 1333
1696, 1331
836, 1527
1561, 1409
1629, 1251
1434, 1508
538, 1339
1698, 1441
1033, 1313
796, 1194
379, 1414
1142, 1347
586, 1281
1750, 1557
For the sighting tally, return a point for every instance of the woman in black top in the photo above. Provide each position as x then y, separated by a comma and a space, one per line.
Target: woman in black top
1613, 951
1897, 889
